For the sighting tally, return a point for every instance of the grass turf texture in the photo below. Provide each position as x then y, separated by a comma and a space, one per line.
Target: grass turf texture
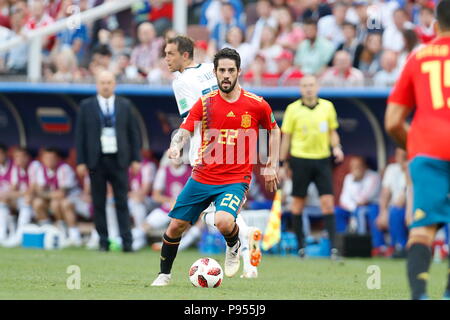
39, 274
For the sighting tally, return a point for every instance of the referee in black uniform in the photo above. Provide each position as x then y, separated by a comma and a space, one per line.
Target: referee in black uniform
309, 138
107, 143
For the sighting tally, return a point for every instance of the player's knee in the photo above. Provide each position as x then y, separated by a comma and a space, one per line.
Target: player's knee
176, 228
297, 205
38, 204
67, 205
225, 224
423, 236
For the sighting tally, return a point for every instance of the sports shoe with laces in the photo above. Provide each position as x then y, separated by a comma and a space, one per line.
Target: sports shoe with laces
254, 238
232, 261
162, 280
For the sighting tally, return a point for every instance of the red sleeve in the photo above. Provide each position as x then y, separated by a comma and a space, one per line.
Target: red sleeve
267, 120
403, 92
195, 114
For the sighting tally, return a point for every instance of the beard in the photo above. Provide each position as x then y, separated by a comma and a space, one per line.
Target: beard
232, 85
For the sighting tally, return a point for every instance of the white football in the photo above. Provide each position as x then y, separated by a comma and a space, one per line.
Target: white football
206, 273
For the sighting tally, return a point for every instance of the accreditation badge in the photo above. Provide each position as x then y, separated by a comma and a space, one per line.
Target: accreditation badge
109, 140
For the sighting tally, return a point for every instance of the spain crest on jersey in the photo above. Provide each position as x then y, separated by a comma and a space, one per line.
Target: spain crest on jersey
246, 121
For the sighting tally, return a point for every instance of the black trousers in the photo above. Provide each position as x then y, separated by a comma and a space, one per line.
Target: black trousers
108, 170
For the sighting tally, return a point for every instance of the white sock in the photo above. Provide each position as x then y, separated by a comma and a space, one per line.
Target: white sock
111, 220
94, 235
4, 214
189, 238
243, 230
74, 233
208, 218
138, 212
25, 214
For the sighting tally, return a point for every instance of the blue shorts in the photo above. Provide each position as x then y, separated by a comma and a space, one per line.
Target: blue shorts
431, 191
196, 197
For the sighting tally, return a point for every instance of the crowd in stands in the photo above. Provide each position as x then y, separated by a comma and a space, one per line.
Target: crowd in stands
345, 43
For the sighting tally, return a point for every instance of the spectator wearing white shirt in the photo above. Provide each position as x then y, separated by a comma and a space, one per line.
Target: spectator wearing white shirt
330, 26
392, 36
235, 39
359, 203
264, 11
270, 50
393, 203
342, 74
389, 72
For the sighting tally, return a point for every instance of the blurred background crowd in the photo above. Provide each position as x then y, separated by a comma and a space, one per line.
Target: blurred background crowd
345, 43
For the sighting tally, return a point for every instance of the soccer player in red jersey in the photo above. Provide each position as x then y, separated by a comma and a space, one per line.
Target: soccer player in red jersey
230, 118
425, 84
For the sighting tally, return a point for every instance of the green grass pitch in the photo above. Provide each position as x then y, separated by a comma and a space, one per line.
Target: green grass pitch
39, 274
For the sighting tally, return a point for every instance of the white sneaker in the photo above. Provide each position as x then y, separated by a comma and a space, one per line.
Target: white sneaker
74, 242
232, 261
162, 280
250, 272
13, 241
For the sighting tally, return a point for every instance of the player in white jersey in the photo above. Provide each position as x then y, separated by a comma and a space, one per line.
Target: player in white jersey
193, 81
21, 193
57, 191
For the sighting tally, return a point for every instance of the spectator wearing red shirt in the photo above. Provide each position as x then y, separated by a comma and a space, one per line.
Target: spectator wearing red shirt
258, 74
288, 74
425, 31
342, 74
39, 18
4, 14
161, 15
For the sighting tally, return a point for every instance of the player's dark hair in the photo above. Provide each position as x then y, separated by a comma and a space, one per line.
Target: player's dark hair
102, 50
21, 149
310, 21
227, 53
53, 150
443, 15
184, 44
349, 24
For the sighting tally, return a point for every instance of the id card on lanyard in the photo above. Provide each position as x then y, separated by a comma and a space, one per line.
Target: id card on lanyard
108, 136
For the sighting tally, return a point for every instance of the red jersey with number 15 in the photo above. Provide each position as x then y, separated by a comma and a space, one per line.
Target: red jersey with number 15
425, 84
229, 136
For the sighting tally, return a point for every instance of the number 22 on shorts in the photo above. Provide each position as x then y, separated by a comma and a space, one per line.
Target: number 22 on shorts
231, 201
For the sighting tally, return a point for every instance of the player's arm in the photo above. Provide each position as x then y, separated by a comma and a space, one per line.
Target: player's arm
183, 134
400, 104
270, 171
383, 217
336, 146
395, 123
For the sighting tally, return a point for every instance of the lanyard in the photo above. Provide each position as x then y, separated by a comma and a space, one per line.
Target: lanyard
109, 120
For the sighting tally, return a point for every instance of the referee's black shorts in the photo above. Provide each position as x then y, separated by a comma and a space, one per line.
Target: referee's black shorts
305, 171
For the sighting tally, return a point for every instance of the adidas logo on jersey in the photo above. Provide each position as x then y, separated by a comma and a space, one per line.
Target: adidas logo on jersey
231, 114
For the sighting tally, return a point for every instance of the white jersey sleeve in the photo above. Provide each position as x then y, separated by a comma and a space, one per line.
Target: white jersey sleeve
148, 173
193, 83
66, 177
160, 179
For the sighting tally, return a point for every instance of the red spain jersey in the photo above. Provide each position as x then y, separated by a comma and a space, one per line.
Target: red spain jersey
229, 136
425, 84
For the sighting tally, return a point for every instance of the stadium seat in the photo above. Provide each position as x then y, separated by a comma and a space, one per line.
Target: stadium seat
198, 32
